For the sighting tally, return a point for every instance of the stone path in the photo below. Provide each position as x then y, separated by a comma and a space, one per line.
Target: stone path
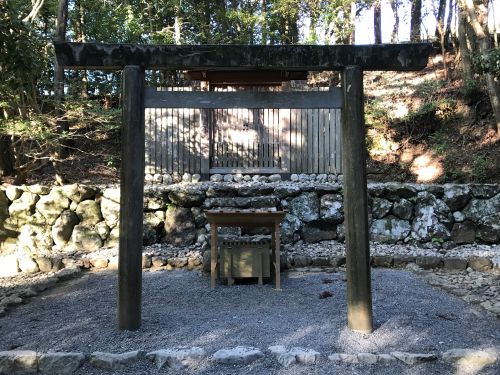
177, 359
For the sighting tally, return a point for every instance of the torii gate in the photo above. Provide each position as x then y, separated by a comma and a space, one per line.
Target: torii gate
350, 60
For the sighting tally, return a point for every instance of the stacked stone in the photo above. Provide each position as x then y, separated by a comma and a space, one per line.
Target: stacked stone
40, 225
185, 178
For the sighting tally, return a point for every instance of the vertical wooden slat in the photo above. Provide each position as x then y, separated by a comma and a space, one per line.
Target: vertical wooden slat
310, 141
156, 145
197, 143
147, 125
187, 140
326, 140
175, 155
331, 140
292, 147
222, 131
183, 140
206, 141
269, 143
220, 126
131, 200
277, 137
170, 144
151, 137
321, 141
187, 137
192, 141
163, 114
157, 141
216, 130
286, 140
263, 138
316, 134
225, 136
301, 142
338, 141
246, 140
227, 160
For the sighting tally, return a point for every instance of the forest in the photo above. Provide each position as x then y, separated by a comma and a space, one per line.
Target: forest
58, 126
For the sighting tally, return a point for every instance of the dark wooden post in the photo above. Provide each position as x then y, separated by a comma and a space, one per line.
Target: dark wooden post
359, 298
131, 200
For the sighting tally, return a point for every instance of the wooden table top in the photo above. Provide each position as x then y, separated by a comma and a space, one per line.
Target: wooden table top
246, 217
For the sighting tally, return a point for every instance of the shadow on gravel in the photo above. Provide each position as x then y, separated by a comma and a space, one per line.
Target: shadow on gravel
179, 309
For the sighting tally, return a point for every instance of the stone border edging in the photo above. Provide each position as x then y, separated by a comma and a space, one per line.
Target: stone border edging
28, 361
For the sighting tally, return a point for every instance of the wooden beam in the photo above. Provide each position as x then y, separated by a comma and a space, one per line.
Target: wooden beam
246, 77
397, 57
131, 200
242, 99
359, 298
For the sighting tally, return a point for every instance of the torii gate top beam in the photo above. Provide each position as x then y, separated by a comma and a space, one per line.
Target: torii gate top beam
101, 56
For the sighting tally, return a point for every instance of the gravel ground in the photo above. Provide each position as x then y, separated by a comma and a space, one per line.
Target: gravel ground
179, 309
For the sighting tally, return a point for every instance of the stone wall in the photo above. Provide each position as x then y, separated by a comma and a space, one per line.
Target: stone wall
40, 222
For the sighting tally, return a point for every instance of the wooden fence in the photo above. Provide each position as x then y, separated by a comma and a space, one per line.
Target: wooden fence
246, 132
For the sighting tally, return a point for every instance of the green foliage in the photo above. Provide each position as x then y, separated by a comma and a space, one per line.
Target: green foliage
452, 172
23, 59
488, 62
471, 90
440, 110
479, 167
428, 109
376, 114
89, 114
440, 143
429, 88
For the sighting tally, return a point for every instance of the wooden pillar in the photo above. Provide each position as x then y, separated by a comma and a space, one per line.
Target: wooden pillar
131, 200
359, 298
206, 136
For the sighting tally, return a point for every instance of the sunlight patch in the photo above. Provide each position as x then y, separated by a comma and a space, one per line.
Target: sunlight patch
427, 167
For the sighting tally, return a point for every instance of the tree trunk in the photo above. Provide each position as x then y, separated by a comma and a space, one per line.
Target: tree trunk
351, 9
62, 125
80, 29
178, 23
395, 28
6, 159
263, 24
416, 20
313, 36
463, 46
447, 33
294, 30
440, 19
494, 19
377, 22
440, 34
477, 16
36, 7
